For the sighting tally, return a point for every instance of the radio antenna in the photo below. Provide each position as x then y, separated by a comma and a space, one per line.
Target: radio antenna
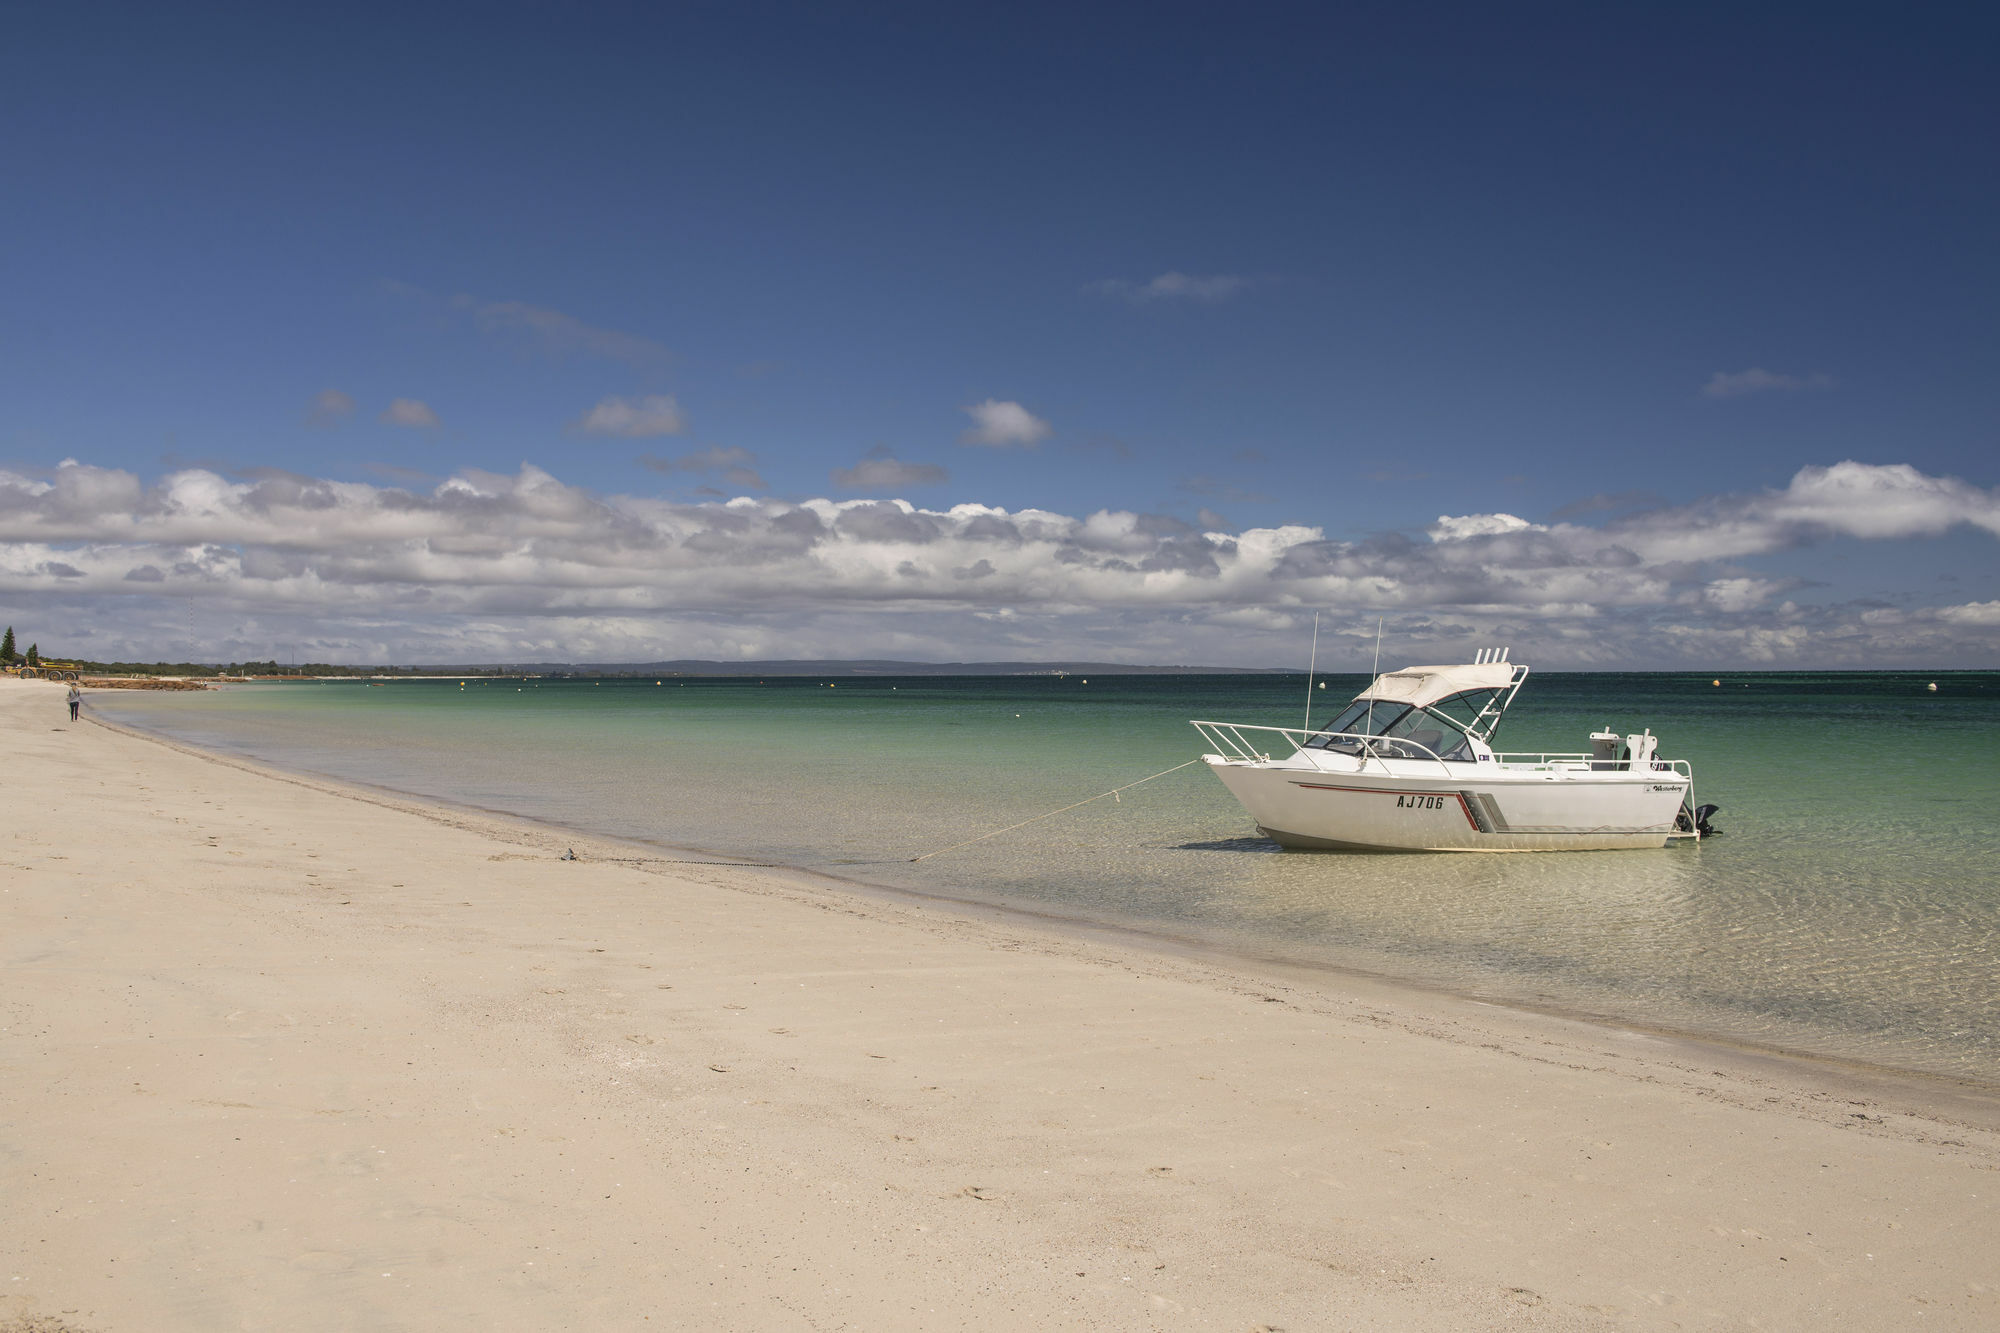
1311, 664
1378, 672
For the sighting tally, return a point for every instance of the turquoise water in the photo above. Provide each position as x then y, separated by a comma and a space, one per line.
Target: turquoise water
1851, 908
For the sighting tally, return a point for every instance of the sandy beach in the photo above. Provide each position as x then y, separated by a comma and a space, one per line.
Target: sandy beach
276, 1053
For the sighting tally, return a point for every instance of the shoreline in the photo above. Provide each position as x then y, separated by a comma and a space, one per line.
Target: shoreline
281, 1050
1971, 1096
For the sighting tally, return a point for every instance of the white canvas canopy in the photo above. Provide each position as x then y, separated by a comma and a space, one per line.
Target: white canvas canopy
1425, 685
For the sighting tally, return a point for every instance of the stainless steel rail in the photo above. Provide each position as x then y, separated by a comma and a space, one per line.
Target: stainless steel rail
1231, 742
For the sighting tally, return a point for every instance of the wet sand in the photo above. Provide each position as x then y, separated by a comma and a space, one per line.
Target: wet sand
278, 1053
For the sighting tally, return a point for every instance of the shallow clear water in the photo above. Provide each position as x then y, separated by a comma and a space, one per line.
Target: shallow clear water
1851, 908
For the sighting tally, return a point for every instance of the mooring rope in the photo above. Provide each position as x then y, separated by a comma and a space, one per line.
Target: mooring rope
1053, 813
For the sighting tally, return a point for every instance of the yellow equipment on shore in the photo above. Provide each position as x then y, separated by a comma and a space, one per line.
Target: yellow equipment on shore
44, 671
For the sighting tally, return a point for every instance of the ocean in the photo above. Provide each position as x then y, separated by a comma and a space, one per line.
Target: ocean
1850, 909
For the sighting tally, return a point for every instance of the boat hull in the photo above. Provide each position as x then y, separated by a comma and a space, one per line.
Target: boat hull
1467, 808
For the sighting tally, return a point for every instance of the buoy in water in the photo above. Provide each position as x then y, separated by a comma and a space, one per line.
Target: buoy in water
1932, 687
1715, 682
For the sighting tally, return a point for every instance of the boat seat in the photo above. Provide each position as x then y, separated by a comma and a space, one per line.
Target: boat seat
1430, 740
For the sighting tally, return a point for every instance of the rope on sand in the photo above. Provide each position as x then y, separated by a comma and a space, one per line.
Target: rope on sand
1053, 813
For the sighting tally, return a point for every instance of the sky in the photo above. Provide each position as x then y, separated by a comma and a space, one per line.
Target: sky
1634, 337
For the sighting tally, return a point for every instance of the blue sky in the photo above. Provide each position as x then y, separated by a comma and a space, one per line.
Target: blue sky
753, 330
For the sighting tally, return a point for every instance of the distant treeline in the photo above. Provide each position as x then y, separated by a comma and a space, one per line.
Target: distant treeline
684, 667
212, 670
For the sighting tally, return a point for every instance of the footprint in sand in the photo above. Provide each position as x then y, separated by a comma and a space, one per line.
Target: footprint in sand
640, 1039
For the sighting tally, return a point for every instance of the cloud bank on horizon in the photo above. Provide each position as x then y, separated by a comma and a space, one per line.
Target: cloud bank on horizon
487, 567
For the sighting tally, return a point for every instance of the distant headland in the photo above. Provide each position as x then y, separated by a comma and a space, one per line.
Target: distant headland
102, 672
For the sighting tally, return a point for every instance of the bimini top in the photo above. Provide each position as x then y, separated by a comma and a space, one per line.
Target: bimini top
1422, 686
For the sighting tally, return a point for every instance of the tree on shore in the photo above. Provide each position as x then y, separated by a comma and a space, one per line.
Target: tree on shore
34, 655
7, 645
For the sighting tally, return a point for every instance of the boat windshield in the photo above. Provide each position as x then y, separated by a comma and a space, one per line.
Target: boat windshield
1428, 733
1363, 717
1465, 709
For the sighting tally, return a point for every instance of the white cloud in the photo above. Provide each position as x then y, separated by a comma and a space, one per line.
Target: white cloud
882, 471
1757, 380
1972, 613
633, 418
1173, 286
410, 412
1739, 594
1449, 529
1850, 499
485, 566
1001, 424
329, 407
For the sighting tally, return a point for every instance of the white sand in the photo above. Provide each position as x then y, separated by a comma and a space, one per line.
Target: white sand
279, 1055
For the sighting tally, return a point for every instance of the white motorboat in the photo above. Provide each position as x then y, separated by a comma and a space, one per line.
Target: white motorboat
1409, 766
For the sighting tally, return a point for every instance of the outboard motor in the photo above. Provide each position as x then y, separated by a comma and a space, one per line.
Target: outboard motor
1697, 822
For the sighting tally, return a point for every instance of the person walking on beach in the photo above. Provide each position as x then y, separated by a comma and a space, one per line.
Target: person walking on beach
75, 701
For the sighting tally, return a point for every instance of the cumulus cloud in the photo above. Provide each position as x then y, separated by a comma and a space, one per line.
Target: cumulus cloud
1740, 594
1172, 286
1972, 613
1450, 529
329, 408
1848, 499
735, 465
883, 471
633, 418
1742, 383
1001, 424
410, 412
487, 566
